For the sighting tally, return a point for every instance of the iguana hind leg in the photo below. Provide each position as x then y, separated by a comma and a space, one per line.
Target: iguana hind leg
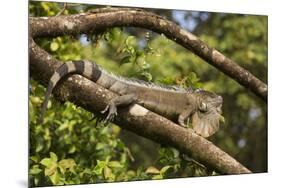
123, 100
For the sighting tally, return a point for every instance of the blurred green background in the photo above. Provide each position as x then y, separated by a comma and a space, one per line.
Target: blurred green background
69, 148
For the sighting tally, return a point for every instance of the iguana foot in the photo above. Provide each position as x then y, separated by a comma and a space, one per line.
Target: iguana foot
124, 100
112, 112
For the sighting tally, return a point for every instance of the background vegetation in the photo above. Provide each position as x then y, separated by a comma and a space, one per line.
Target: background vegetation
70, 148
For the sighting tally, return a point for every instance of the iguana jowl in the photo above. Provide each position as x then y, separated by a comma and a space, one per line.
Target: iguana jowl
202, 107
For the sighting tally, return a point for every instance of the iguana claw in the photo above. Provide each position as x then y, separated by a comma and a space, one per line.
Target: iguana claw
105, 109
111, 114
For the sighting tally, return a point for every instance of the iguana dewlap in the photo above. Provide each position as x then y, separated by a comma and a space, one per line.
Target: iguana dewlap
202, 107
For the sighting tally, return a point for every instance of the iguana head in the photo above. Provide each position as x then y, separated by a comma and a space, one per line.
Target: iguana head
207, 116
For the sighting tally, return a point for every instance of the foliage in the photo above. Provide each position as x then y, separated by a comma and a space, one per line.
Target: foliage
70, 148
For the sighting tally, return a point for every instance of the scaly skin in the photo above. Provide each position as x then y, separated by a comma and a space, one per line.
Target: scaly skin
202, 107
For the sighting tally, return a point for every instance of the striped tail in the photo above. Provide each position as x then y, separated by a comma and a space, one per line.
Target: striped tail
87, 69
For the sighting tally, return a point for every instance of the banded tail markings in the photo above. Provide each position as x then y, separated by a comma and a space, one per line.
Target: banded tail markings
84, 68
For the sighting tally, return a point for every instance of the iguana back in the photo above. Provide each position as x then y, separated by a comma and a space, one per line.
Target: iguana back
175, 103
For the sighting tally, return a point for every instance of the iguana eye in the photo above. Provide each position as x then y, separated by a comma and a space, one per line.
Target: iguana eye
203, 107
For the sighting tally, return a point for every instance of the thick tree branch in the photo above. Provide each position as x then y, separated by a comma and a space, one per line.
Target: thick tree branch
137, 119
101, 19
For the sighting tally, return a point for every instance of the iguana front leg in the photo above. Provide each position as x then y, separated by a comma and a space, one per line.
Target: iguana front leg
123, 100
184, 115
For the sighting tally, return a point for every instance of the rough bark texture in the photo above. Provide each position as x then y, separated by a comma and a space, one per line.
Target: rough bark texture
101, 19
137, 119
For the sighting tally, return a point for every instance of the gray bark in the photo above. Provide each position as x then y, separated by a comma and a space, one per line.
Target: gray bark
102, 19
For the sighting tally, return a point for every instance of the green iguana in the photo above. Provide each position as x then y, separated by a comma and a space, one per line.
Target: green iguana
178, 104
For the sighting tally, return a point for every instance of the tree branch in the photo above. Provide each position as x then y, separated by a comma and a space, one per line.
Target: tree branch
101, 19
137, 119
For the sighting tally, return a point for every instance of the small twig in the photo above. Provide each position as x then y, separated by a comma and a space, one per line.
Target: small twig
188, 159
62, 10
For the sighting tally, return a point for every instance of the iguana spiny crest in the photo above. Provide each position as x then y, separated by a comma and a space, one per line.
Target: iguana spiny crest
202, 107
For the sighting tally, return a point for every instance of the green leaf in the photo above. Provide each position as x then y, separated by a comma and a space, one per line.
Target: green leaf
35, 100
46, 162
108, 175
35, 170
36, 181
222, 120
87, 171
157, 177
65, 164
39, 146
115, 164
165, 169
140, 53
126, 59
129, 40
63, 126
147, 76
45, 6
72, 149
56, 179
34, 158
175, 152
54, 46
50, 164
100, 146
53, 157
99, 167
192, 80
132, 51
145, 65
152, 170
50, 170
